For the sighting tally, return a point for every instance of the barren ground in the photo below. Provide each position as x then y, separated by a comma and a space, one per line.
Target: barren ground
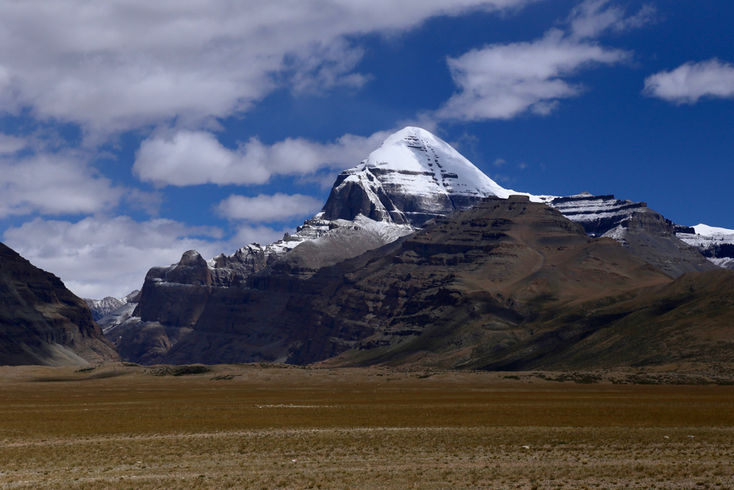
264, 427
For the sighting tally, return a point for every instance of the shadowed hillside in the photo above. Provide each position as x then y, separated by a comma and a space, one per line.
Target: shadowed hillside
42, 322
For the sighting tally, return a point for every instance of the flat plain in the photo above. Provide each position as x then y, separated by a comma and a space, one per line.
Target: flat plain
247, 426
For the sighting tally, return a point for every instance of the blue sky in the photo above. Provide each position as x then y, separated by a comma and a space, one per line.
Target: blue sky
131, 131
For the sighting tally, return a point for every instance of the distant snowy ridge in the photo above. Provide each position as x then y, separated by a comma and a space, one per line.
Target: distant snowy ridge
598, 215
101, 307
111, 310
721, 234
716, 244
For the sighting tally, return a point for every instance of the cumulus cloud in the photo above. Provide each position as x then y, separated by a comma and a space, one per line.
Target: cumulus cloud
53, 184
122, 64
268, 208
194, 157
592, 18
97, 257
692, 81
502, 81
197, 157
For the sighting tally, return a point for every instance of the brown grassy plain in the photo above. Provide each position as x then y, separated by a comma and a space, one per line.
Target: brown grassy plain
267, 427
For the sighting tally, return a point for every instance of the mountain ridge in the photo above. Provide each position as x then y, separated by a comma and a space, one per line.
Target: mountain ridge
237, 308
42, 322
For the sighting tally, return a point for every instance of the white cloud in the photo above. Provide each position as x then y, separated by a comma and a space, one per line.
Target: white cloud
268, 208
592, 18
53, 184
692, 81
149, 202
122, 64
196, 157
11, 144
502, 81
97, 257
325, 67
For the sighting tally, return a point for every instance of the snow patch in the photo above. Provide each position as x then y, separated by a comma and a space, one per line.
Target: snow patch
713, 231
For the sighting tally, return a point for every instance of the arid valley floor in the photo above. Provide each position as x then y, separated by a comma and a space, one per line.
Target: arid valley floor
117, 426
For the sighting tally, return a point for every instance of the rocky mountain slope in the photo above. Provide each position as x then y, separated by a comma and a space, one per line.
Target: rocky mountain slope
687, 325
414, 176
239, 308
467, 289
646, 233
508, 284
42, 322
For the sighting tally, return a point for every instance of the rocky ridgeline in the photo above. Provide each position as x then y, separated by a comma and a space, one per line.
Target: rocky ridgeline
231, 307
646, 233
716, 244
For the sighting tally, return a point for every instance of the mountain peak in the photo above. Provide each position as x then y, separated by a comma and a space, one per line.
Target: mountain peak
414, 151
411, 178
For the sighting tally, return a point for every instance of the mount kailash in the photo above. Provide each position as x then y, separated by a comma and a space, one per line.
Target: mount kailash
226, 309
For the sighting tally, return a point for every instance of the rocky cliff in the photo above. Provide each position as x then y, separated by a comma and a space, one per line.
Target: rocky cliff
42, 322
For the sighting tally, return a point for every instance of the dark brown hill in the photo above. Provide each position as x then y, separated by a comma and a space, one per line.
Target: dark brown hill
686, 325
468, 289
509, 284
541, 297
42, 322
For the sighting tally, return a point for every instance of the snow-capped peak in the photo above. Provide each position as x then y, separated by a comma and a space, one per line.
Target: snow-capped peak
422, 163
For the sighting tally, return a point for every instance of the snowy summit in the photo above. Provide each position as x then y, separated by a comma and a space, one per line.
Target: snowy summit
412, 177
419, 162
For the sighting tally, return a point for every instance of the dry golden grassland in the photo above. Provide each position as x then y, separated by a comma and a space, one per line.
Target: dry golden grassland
268, 427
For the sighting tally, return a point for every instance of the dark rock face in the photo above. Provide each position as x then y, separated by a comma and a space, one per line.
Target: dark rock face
42, 322
176, 295
373, 195
349, 199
